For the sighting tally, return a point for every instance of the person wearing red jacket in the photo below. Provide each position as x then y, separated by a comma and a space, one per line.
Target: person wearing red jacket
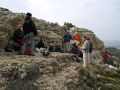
105, 57
76, 38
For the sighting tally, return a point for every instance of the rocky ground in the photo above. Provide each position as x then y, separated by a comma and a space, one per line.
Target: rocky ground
58, 71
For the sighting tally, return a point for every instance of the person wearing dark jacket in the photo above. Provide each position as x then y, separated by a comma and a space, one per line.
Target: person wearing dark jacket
90, 51
19, 38
18, 35
67, 37
40, 44
30, 31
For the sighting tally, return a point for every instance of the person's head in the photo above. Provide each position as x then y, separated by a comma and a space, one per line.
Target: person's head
67, 31
106, 52
85, 38
76, 32
29, 15
41, 40
88, 39
20, 25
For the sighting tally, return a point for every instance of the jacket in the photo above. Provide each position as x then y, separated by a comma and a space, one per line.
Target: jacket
105, 56
90, 47
76, 37
67, 37
86, 46
29, 27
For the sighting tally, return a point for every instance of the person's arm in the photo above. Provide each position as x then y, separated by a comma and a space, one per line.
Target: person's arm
83, 46
34, 28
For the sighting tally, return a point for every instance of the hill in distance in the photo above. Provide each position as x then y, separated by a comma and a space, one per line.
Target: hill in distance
112, 43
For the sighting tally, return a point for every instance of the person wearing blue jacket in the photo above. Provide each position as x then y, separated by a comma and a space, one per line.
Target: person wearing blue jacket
67, 37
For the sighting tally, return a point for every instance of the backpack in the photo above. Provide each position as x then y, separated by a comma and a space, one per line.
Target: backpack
51, 48
9, 47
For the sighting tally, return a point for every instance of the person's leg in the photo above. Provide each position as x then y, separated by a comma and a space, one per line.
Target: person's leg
91, 58
105, 62
77, 42
66, 47
32, 43
23, 49
24, 46
69, 47
84, 60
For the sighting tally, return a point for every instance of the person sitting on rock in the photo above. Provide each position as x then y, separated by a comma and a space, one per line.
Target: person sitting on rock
80, 53
77, 52
18, 36
74, 49
76, 38
105, 57
40, 45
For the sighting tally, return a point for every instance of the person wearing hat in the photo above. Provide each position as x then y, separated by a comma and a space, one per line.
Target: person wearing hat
30, 31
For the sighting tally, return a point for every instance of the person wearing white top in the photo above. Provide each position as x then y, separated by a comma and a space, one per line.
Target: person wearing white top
85, 49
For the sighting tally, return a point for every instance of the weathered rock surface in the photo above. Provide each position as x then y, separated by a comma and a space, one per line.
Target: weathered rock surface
57, 72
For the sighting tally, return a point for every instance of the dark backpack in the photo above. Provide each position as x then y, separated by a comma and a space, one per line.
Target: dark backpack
9, 47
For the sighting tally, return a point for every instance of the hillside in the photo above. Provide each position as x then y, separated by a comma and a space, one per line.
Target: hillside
51, 32
112, 43
114, 51
58, 71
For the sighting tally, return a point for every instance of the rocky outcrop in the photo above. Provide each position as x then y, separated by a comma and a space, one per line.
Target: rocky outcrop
51, 32
57, 72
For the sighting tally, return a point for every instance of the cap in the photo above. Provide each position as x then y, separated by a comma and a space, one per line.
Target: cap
29, 14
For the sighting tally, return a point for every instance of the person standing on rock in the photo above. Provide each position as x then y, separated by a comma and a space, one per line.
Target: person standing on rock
90, 50
30, 31
85, 49
67, 37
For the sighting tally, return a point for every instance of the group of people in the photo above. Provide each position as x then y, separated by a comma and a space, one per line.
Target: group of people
73, 42
24, 35
82, 47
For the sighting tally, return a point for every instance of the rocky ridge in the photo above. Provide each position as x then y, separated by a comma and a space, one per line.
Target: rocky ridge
50, 32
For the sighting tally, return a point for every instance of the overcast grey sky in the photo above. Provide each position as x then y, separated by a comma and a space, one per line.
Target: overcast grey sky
100, 16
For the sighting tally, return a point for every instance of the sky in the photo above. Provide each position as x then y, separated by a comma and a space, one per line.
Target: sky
100, 16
